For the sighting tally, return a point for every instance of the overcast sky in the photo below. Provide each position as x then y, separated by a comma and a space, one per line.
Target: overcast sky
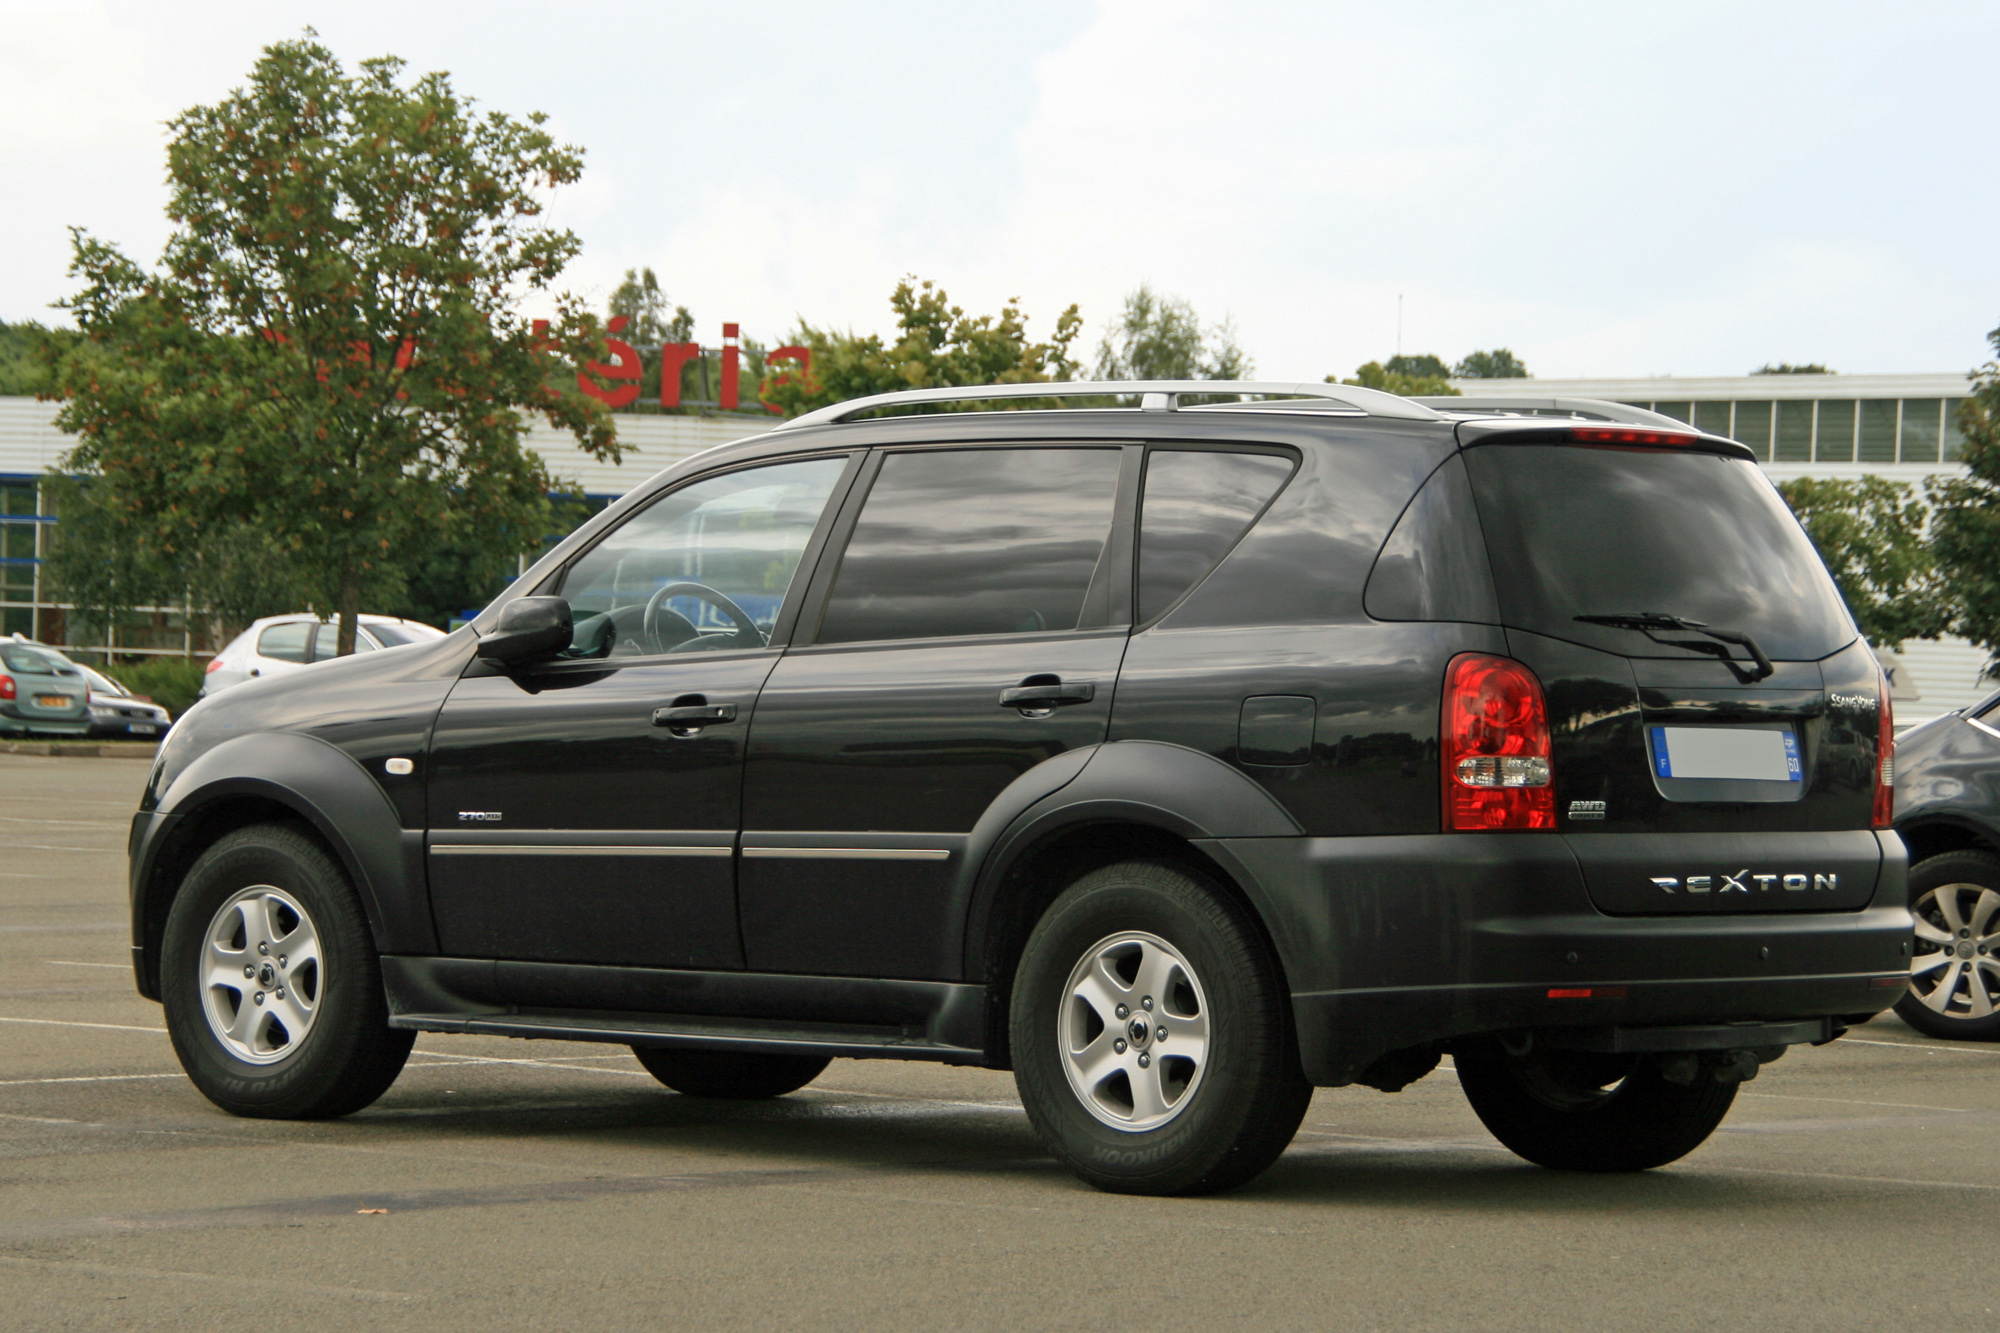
1681, 188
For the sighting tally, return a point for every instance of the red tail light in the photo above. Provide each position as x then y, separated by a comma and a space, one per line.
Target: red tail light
214, 665
6, 687
1885, 758
1495, 746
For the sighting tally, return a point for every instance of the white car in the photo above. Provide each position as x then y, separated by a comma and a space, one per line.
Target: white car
276, 645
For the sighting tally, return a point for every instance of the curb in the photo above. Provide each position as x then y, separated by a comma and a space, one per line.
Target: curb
78, 750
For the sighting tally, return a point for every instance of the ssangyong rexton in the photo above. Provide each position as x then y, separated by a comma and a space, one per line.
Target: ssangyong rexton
1180, 757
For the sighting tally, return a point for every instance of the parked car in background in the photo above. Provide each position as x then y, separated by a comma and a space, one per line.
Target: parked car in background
277, 645
115, 712
41, 693
1948, 811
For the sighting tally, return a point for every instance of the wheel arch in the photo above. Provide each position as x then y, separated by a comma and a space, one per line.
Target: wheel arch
291, 779
1124, 800
1931, 837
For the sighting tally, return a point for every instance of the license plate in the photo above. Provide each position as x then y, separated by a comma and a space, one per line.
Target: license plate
143, 728
55, 701
1759, 754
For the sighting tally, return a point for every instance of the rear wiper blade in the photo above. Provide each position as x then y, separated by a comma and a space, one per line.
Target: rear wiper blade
1648, 621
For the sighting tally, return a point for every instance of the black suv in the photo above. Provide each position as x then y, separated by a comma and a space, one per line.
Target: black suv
1178, 754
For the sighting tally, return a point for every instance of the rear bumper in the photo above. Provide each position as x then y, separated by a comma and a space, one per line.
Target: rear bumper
1395, 942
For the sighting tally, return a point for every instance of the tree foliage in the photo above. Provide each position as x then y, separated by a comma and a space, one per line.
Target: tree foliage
25, 350
1870, 532
937, 345
1787, 368
1498, 364
1966, 517
1410, 376
328, 371
1161, 338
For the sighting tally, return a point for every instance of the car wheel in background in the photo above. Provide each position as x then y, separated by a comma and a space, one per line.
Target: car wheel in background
271, 982
1152, 1037
732, 1075
1581, 1111
1955, 969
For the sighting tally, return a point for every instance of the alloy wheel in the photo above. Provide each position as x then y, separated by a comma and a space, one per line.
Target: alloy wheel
261, 974
1955, 968
1134, 1031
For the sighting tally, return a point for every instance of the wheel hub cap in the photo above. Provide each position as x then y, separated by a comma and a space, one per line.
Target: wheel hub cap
1134, 1029
261, 976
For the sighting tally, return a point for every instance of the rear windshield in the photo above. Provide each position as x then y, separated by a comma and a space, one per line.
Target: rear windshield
29, 662
1590, 531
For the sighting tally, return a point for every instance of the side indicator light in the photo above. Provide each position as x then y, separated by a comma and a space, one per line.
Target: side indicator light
1889, 983
1587, 993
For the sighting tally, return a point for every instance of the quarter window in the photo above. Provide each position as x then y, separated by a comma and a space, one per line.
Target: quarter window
284, 643
1197, 504
705, 567
976, 541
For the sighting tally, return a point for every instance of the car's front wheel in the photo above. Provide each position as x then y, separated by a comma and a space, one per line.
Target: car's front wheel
1579, 1111
271, 982
1955, 971
1151, 1034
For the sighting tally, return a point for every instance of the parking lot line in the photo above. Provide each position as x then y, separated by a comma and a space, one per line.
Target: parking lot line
72, 1023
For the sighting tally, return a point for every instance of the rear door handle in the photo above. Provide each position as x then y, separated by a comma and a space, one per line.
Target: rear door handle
694, 717
1048, 696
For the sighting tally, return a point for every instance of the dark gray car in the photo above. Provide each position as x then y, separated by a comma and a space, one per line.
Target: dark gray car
41, 694
1948, 811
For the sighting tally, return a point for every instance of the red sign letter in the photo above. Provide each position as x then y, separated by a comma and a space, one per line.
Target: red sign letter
626, 367
672, 357
802, 376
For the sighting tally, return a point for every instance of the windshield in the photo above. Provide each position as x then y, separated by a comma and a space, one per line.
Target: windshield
1613, 532
395, 636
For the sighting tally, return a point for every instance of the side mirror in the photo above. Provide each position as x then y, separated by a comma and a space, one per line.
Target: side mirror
529, 627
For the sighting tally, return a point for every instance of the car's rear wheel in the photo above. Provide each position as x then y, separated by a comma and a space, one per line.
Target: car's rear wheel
1578, 1111
271, 983
1955, 968
1152, 1037
730, 1075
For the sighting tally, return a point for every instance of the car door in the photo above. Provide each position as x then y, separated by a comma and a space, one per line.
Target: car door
971, 629
585, 810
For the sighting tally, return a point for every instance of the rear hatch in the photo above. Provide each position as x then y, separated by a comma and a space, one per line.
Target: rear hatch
1712, 707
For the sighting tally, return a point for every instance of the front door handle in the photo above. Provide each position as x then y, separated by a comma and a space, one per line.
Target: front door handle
1041, 697
690, 718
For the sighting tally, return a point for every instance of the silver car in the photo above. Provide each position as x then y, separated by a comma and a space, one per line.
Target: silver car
41, 694
277, 645
118, 714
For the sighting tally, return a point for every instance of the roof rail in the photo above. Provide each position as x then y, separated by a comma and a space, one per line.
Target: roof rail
1153, 395
1590, 409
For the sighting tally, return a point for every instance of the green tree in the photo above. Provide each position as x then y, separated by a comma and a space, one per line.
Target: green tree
1161, 338
1965, 522
1787, 368
1870, 533
651, 320
937, 345
1498, 364
1410, 376
23, 362
328, 372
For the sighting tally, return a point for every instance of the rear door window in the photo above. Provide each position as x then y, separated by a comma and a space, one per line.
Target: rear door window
286, 642
1196, 505
975, 541
1578, 531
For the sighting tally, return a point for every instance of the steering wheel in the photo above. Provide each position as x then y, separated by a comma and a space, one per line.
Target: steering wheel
746, 634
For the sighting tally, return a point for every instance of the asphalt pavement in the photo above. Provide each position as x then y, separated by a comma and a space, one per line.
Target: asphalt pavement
510, 1184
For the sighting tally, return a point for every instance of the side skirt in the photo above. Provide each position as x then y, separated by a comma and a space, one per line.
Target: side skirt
855, 1017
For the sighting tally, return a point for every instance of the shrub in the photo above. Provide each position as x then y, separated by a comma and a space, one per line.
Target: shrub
172, 682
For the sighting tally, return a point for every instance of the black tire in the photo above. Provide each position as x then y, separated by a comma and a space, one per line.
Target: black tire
1245, 1098
1967, 872
730, 1075
1552, 1108
348, 1055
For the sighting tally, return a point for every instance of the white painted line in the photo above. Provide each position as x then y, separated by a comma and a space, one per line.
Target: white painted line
1844, 1101
1912, 1046
64, 1023
92, 1078
64, 962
